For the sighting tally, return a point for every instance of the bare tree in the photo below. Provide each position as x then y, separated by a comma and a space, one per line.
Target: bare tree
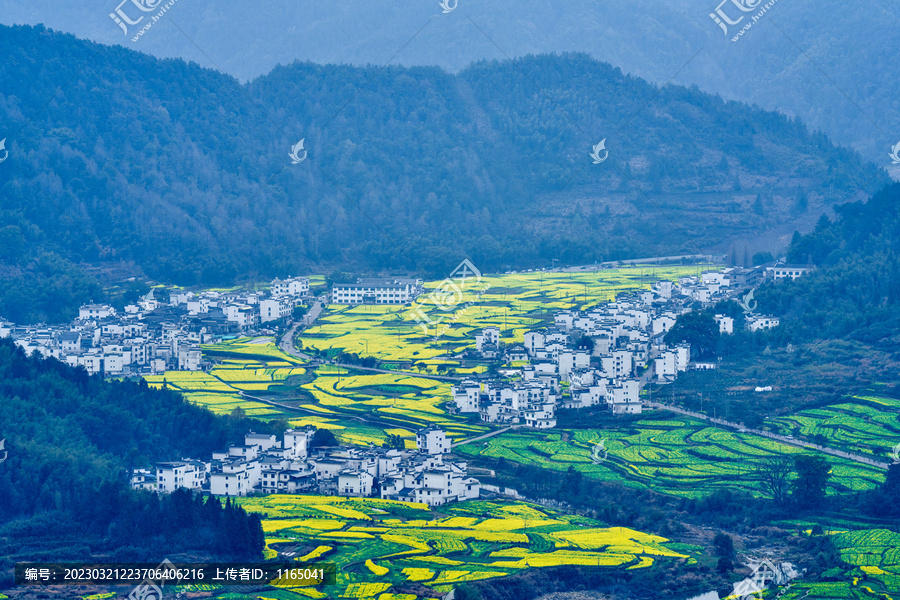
773, 473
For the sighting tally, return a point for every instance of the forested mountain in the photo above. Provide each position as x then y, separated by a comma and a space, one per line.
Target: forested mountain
855, 294
117, 156
71, 440
833, 67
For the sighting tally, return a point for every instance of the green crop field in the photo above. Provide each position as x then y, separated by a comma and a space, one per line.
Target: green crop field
684, 458
243, 365
377, 544
401, 401
871, 570
862, 424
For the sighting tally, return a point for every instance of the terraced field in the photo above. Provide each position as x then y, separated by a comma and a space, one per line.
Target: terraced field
379, 545
513, 303
246, 366
862, 424
684, 458
872, 569
403, 402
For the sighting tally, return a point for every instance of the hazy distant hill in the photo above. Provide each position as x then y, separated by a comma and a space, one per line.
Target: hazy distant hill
829, 62
115, 155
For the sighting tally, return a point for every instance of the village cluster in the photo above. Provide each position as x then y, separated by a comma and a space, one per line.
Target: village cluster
604, 356
151, 337
607, 355
262, 464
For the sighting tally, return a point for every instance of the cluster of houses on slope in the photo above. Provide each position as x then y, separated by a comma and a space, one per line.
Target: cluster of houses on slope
604, 356
262, 464
150, 337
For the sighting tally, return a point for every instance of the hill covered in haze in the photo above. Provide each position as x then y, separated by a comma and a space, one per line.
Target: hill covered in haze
184, 173
833, 67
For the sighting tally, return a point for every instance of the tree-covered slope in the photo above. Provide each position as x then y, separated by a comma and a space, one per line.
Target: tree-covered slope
70, 442
855, 292
834, 68
117, 156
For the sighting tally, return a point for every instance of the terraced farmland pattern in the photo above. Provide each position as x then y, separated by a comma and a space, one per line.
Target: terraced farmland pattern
244, 365
401, 402
684, 458
513, 303
872, 569
862, 424
380, 545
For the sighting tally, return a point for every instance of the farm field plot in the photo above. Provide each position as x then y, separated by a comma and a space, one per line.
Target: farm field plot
513, 303
872, 569
407, 402
876, 552
404, 403
247, 350
683, 458
250, 365
861, 424
382, 543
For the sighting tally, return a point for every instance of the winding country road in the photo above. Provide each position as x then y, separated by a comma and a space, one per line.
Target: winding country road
784, 440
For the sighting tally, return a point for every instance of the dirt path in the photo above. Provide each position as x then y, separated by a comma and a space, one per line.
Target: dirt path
485, 436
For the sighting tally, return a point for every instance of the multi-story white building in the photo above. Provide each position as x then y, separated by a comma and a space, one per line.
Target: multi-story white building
95, 311
353, 483
433, 440
273, 309
189, 474
374, 291
787, 271
487, 336
233, 477
292, 286
757, 322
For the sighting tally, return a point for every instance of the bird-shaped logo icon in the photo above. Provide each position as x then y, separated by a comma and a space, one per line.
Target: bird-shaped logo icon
296, 158
895, 154
596, 153
445, 4
599, 453
745, 303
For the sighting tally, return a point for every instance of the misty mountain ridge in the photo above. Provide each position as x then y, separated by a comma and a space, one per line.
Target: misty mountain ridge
835, 68
186, 174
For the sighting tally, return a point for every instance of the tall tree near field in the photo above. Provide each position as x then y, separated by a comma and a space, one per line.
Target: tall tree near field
773, 474
697, 328
810, 487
